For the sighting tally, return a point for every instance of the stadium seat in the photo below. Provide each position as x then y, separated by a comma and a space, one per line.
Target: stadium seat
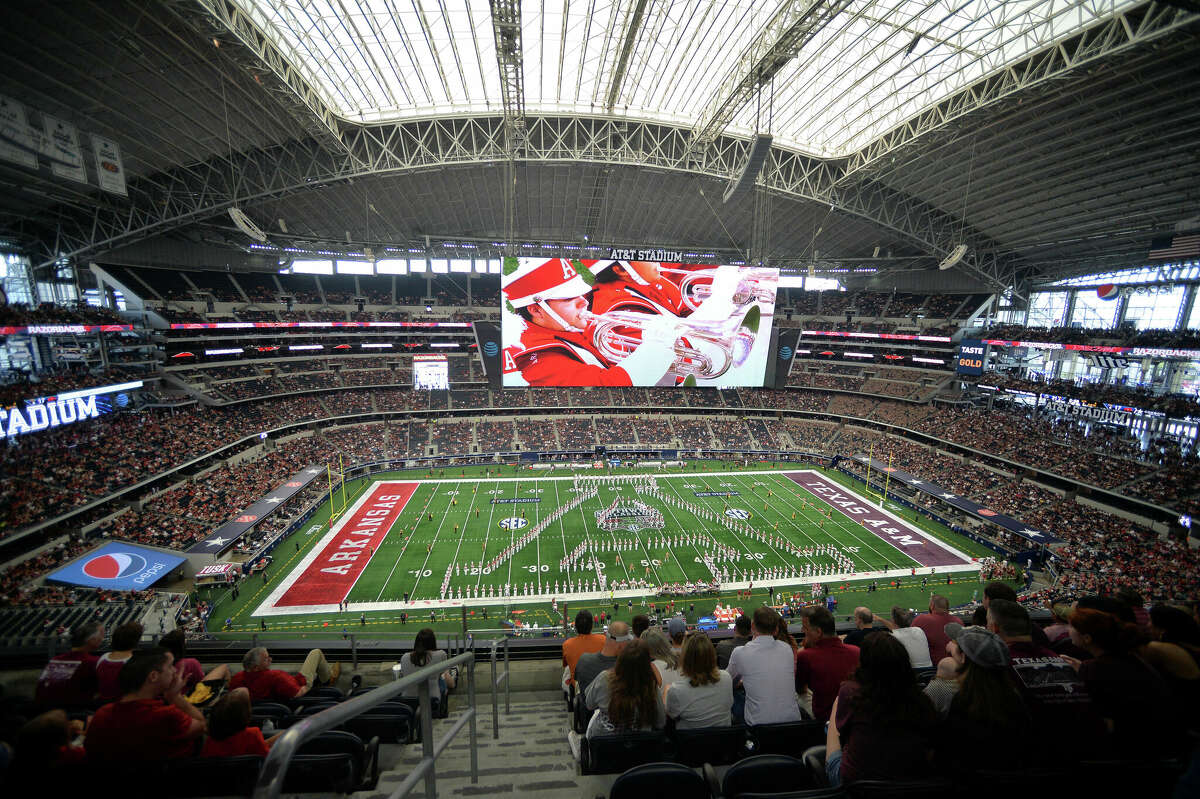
716, 745
326, 692
580, 716
279, 715
765, 774
212, 776
902, 789
814, 758
391, 723
786, 738
657, 780
613, 754
312, 708
812, 793
362, 759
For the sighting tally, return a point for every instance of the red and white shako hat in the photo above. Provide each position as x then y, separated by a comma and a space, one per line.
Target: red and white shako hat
534, 283
632, 273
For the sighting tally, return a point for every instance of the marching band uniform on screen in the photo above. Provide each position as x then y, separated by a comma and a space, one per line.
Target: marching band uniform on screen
634, 286
556, 347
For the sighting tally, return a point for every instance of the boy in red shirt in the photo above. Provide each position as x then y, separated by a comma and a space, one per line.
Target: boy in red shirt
151, 721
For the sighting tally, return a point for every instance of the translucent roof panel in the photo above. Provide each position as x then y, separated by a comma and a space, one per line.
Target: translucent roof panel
875, 65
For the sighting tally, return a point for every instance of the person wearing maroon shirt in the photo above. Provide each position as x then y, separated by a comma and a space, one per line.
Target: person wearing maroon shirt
934, 624
152, 721
264, 682
823, 662
70, 678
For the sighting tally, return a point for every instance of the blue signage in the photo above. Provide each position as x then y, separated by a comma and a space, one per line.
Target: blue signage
970, 357
118, 567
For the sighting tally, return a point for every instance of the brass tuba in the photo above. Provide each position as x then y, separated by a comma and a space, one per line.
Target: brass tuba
704, 350
754, 285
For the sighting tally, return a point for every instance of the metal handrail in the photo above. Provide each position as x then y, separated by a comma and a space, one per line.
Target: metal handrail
274, 768
496, 684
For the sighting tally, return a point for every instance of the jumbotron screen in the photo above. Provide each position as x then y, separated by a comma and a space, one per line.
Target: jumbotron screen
569, 322
431, 373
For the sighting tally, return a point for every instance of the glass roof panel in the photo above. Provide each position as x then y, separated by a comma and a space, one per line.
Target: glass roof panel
875, 65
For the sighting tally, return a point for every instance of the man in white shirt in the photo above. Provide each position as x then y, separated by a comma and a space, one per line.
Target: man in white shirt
767, 671
913, 638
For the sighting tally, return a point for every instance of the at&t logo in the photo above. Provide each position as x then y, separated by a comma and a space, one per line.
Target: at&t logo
513, 523
491, 349
785, 353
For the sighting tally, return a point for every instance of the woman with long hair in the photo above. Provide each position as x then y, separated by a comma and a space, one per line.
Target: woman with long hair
987, 711
882, 722
662, 655
703, 696
1130, 694
782, 634
425, 653
626, 697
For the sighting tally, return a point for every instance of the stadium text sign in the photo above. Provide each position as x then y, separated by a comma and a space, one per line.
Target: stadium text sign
515, 500
628, 254
868, 515
43, 415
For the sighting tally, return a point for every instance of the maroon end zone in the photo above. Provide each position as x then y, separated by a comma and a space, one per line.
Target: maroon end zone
904, 537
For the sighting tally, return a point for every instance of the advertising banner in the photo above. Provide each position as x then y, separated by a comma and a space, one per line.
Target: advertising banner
66, 160
228, 534
970, 357
110, 169
118, 567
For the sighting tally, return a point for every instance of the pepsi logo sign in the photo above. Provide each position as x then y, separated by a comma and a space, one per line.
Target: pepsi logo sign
114, 566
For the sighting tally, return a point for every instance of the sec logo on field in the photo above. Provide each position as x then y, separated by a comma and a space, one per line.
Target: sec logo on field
513, 523
737, 513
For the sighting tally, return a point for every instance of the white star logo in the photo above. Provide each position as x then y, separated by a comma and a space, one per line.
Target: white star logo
275, 500
916, 482
1031, 533
215, 542
949, 496
312, 471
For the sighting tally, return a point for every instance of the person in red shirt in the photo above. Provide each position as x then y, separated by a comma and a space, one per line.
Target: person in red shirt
70, 678
266, 683
556, 346
636, 286
934, 624
823, 662
229, 730
124, 639
152, 721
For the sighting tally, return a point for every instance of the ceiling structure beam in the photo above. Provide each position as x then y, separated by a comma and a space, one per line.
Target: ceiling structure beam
506, 26
1023, 80
633, 29
781, 39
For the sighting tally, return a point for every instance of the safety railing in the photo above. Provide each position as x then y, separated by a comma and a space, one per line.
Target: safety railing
274, 769
496, 644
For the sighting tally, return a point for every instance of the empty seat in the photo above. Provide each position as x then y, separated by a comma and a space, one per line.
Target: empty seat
613, 754
658, 780
716, 745
363, 759
766, 774
787, 738
390, 723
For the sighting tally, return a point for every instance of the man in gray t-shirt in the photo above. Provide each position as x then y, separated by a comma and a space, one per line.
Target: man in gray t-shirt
593, 663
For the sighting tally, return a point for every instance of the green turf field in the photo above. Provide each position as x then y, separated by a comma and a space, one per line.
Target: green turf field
466, 519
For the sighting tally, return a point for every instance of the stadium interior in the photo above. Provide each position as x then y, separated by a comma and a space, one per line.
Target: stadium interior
647, 276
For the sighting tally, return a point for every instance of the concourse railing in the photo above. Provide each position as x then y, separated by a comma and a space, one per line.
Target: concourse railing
274, 769
496, 644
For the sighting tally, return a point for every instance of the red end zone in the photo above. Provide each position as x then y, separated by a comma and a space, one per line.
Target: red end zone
329, 577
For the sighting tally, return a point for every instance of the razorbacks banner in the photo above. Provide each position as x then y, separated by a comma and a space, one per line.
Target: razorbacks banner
118, 567
962, 503
227, 534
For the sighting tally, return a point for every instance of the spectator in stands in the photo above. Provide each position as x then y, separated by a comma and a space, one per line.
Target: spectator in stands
741, 637
766, 669
662, 655
583, 642
193, 672
882, 722
1130, 597
933, 624
1129, 694
425, 653
703, 695
998, 590
639, 624
987, 712
152, 721
593, 663
944, 685
1059, 629
823, 661
266, 683
229, 730
44, 743
1058, 703
676, 628
124, 640
864, 624
70, 677
913, 638
628, 696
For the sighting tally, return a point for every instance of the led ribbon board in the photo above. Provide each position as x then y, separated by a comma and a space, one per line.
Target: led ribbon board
69, 407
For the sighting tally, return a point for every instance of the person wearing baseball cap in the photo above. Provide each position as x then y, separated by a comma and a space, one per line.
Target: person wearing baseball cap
988, 713
556, 343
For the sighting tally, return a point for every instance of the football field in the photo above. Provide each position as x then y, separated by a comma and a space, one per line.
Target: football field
422, 545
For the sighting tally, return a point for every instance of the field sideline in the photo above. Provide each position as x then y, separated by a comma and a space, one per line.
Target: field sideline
767, 530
